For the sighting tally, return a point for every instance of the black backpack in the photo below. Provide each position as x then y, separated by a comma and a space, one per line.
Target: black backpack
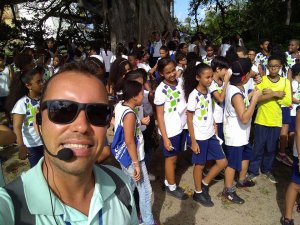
22, 215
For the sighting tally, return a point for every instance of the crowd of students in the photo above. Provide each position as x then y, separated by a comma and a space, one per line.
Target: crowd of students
202, 99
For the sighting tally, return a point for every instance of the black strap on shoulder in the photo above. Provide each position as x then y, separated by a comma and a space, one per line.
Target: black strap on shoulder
16, 191
121, 191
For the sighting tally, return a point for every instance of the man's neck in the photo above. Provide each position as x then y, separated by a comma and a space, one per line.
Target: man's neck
73, 190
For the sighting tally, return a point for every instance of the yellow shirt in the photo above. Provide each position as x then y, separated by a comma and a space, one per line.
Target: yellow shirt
269, 112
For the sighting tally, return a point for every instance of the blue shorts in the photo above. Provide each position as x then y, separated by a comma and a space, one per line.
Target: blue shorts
178, 143
292, 125
286, 115
210, 149
295, 175
235, 155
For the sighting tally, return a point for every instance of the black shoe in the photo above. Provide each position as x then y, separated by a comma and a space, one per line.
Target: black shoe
285, 221
203, 199
233, 197
205, 190
246, 183
177, 193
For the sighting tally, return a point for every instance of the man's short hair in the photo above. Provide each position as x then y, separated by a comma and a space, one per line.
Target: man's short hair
80, 67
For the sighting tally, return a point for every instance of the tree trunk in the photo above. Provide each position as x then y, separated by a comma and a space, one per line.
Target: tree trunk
289, 12
132, 19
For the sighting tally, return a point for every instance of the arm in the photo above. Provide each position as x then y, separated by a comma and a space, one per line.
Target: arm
17, 125
129, 130
162, 127
244, 114
6, 135
152, 71
195, 147
219, 97
286, 100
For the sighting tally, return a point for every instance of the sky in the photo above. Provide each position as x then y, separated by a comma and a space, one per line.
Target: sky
181, 9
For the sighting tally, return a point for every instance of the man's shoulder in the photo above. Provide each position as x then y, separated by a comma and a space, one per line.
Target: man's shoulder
104, 168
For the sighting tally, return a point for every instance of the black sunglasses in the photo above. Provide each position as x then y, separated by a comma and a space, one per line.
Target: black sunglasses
65, 112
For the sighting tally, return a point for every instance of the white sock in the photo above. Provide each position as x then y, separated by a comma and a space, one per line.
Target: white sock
204, 183
198, 192
166, 183
172, 187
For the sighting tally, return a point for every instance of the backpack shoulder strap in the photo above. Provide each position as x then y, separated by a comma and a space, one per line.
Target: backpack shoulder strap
16, 191
121, 191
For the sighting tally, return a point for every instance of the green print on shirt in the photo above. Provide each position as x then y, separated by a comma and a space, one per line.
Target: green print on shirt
31, 109
172, 94
202, 103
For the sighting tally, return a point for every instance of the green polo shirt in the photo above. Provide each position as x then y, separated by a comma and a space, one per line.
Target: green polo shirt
39, 204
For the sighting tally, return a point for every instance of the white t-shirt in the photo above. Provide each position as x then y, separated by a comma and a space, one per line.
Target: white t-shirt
296, 94
119, 111
203, 122
218, 108
235, 132
224, 48
156, 46
144, 66
106, 59
28, 107
148, 110
173, 100
191, 47
4, 82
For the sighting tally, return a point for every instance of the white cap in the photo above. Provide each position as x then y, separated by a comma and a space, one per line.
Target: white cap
98, 57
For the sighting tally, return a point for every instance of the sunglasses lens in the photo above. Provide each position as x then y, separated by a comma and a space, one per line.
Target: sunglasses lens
98, 115
62, 112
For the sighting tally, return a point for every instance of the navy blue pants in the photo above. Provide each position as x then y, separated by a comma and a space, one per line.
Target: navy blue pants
264, 149
36, 153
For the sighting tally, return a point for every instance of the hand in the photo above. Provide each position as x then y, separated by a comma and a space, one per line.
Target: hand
279, 94
168, 145
23, 152
256, 93
145, 120
267, 91
227, 77
195, 147
257, 78
137, 172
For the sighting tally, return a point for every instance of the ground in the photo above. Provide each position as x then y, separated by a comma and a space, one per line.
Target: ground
264, 202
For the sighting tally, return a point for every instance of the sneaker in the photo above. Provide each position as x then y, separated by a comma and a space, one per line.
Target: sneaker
177, 193
151, 177
285, 159
271, 177
251, 177
203, 199
285, 221
246, 183
205, 190
233, 197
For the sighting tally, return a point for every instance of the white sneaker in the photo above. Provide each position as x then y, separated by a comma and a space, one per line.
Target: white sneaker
151, 177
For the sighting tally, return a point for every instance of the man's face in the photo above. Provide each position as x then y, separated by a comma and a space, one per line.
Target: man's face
84, 139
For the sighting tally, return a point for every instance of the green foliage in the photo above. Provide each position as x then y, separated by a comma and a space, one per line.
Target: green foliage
254, 19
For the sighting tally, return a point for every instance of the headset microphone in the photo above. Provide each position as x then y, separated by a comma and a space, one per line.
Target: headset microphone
64, 154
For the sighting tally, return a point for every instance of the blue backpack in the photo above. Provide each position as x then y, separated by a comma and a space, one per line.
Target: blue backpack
118, 146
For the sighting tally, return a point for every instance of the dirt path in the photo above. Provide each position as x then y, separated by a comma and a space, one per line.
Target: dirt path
264, 202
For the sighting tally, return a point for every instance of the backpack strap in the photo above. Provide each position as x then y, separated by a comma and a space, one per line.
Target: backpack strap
16, 191
121, 191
